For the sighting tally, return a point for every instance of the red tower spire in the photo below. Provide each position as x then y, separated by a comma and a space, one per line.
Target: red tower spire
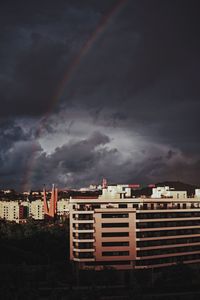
55, 201
52, 202
46, 209
52, 209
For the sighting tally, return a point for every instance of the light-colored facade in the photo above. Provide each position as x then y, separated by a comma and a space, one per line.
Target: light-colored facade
63, 207
9, 210
125, 233
36, 210
167, 192
20, 210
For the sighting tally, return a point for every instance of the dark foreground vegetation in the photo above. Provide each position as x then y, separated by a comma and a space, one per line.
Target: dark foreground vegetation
34, 264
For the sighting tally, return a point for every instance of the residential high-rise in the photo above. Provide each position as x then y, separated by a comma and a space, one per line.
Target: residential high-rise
117, 231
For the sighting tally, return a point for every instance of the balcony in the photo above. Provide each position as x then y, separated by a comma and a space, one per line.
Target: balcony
80, 256
83, 259
82, 230
84, 250
83, 246
83, 237
84, 208
76, 221
82, 217
83, 226
77, 240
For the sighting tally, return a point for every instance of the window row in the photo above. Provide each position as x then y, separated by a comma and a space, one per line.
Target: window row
115, 253
143, 234
168, 250
166, 215
115, 215
167, 224
113, 244
83, 254
83, 236
83, 245
83, 226
167, 242
83, 216
114, 234
114, 225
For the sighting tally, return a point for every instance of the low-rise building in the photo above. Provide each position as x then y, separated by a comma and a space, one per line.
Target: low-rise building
63, 207
166, 191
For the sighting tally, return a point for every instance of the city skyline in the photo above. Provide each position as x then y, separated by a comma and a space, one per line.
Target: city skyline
98, 89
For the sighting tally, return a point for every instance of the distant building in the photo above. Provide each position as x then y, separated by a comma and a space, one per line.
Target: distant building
117, 231
19, 211
197, 193
63, 207
7, 191
37, 210
9, 210
166, 191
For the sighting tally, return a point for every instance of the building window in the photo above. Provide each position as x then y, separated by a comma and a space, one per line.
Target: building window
83, 254
122, 205
135, 205
114, 216
115, 253
113, 244
96, 206
114, 234
112, 225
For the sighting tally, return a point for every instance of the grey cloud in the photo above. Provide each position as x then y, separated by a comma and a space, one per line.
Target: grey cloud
81, 162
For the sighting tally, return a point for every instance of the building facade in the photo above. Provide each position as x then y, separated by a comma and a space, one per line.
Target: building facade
9, 210
116, 231
18, 211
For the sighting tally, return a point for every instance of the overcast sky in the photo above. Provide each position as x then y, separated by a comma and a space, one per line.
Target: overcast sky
92, 89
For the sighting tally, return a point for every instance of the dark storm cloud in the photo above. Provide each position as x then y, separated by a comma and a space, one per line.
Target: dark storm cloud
138, 77
16, 149
10, 132
38, 41
146, 66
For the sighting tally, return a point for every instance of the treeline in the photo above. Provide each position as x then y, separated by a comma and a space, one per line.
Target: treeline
33, 243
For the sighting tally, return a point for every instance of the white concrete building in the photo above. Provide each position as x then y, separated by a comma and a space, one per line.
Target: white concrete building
9, 210
17, 210
37, 209
166, 191
63, 207
197, 193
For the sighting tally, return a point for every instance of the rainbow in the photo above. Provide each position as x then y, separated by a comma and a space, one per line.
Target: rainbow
101, 27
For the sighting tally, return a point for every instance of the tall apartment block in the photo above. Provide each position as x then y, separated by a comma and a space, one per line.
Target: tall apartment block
117, 231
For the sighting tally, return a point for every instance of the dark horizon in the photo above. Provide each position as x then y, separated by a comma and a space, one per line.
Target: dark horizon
99, 89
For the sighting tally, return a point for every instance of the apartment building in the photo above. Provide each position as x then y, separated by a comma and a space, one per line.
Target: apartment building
36, 209
63, 207
166, 191
19, 211
116, 231
9, 210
